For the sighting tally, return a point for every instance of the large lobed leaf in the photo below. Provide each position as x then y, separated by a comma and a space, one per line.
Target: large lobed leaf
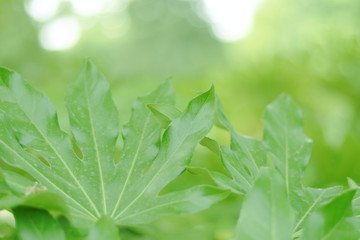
93, 185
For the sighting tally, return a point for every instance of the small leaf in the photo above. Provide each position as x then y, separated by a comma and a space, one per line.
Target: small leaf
352, 184
332, 221
227, 183
242, 160
7, 224
314, 198
36, 224
356, 199
164, 113
104, 229
286, 143
266, 212
181, 202
29, 193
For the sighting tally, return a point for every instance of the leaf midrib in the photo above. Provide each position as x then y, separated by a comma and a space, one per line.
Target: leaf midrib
309, 210
287, 160
94, 139
134, 160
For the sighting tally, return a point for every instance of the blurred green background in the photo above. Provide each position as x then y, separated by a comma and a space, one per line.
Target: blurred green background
252, 51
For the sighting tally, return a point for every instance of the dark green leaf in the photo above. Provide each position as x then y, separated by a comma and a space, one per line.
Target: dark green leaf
36, 224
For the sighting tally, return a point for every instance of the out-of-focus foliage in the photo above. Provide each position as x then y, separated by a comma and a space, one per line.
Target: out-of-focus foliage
308, 49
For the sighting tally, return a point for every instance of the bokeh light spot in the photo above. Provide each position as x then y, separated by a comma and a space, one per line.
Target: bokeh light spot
60, 34
231, 19
42, 10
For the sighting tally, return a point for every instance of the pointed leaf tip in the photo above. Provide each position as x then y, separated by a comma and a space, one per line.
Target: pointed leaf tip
5, 75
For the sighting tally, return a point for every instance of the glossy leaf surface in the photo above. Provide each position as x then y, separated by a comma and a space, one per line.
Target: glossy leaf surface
93, 183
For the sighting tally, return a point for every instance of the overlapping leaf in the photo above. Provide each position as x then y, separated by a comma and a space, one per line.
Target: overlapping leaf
242, 160
266, 212
286, 143
92, 183
288, 150
36, 224
333, 221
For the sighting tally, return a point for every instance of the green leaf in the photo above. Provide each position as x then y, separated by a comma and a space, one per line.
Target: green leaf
165, 114
177, 144
266, 212
182, 202
20, 184
95, 185
332, 221
25, 192
356, 199
105, 228
286, 143
314, 198
36, 224
242, 160
7, 224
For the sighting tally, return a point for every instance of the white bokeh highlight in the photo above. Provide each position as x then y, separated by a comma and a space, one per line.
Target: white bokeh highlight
42, 10
231, 19
60, 34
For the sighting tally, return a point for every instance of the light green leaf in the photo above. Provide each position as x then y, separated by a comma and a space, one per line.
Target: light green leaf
286, 143
333, 221
314, 198
105, 228
7, 224
36, 224
92, 184
94, 123
25, 192
20, 184
181, 202
352, 184
266, 212
356, 199
176, 147
225, 182
242, 160
165, 114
